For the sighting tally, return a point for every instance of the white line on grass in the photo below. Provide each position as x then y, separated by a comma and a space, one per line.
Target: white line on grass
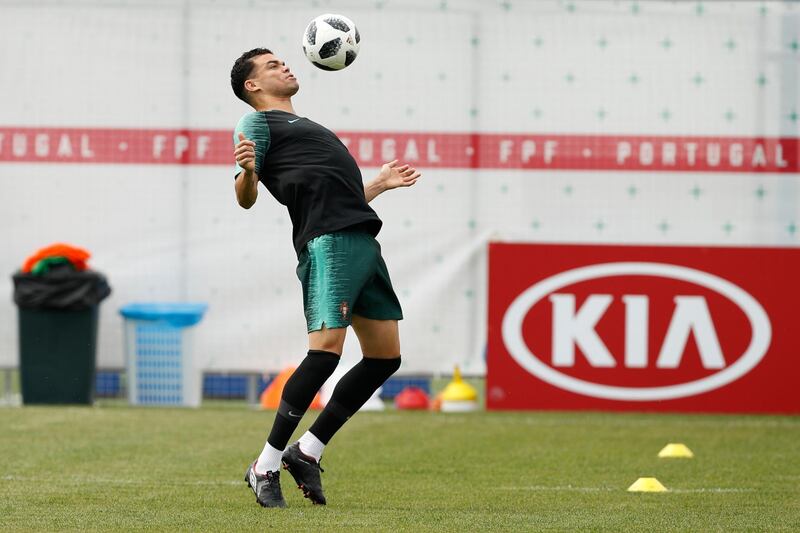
717, 490
118, 481
570, 488
532, 488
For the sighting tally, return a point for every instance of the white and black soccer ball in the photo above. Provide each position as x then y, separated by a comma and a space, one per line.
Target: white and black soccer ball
331, 42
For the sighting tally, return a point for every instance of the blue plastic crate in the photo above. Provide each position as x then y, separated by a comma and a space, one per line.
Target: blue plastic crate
159, 358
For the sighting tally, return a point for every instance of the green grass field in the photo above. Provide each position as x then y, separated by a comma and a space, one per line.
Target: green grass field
121, 468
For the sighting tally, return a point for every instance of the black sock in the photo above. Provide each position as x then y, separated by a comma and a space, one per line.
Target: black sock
352, 391
298, 393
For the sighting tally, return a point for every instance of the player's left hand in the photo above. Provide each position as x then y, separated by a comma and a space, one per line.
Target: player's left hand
393, 175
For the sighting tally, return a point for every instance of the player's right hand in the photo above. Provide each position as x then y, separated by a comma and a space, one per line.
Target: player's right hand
245, 153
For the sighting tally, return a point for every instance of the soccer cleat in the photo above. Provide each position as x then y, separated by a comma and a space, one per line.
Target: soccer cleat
267, 487
305, 471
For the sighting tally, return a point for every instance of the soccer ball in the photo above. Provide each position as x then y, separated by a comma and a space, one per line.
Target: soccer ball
331, 42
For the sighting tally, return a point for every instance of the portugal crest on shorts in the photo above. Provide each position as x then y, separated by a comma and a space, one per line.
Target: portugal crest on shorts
344, 309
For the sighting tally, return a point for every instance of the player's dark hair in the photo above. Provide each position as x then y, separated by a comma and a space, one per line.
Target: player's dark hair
242, 69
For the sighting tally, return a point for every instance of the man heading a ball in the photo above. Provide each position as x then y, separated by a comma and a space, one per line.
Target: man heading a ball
344, 278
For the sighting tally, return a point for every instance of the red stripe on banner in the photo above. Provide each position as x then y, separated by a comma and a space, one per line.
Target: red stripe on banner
426, 150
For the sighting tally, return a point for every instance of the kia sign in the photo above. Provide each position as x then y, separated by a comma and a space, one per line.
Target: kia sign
642, 328
691, 315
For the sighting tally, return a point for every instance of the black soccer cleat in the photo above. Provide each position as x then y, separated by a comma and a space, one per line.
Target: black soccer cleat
267, 487
305, 471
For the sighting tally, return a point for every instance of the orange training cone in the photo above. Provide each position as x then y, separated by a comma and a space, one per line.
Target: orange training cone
271, 397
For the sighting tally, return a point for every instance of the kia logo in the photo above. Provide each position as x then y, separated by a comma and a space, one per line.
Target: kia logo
576, 327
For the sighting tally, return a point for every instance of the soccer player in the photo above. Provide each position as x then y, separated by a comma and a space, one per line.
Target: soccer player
345, 281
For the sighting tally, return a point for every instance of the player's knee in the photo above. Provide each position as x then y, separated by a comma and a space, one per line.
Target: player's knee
328, 340
327, 346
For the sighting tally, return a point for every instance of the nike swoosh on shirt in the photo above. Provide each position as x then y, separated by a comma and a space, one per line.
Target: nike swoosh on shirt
293, 121
294, 415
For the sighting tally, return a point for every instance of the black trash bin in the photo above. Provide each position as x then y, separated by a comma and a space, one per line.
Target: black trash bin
58, 313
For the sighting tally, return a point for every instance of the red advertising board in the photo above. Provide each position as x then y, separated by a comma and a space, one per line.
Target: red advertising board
645, 328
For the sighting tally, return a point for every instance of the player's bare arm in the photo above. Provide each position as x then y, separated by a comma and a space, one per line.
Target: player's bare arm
247, 180
391, 176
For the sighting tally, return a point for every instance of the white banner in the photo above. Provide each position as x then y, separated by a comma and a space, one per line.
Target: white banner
511, 75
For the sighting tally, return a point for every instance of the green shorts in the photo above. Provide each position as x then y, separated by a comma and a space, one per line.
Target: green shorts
343, 274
